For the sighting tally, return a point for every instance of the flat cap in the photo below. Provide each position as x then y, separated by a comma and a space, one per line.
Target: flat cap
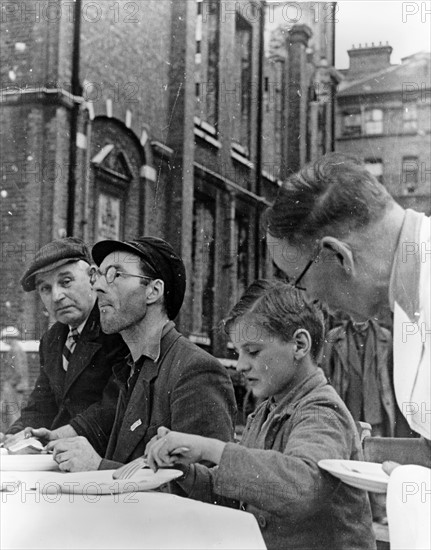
52, 255
162, 260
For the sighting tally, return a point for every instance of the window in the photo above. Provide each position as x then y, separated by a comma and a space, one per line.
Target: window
242, 253
207, 37
279, 110
243, 56
373, 121
203, 265
213, 61
410, 118
375, 167
321, 128
410, 174
108, 217
352, 124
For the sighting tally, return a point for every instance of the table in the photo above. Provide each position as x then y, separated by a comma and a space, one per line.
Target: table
144, 520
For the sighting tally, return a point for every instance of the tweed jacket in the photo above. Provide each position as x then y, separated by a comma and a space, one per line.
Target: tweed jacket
274, 473
335, 364
85, 396
186, 390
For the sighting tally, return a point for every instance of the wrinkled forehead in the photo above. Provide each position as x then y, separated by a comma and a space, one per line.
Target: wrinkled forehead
51, 275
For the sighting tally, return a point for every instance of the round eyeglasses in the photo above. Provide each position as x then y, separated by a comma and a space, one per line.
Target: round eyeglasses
111, 273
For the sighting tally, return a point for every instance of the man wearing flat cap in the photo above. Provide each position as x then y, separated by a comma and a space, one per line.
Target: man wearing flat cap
74, 393
168, 380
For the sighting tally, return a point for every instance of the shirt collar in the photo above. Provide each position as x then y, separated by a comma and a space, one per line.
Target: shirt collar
80, 327
124, 370
151, 346
288, 402
405, 273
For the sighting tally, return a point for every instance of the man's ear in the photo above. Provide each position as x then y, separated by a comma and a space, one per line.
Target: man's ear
155, 291
303, 343
341, 253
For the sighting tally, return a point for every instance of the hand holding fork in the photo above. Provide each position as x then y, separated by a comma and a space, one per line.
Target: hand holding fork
129, 470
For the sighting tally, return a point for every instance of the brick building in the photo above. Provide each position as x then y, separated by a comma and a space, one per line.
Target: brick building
145, 118
299, 86
384, 117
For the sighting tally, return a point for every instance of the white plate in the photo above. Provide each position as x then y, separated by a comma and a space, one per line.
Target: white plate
363, 475
25, 463
100, 482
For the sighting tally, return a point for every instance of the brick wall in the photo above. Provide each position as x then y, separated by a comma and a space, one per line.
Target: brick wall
33, 166
125, 57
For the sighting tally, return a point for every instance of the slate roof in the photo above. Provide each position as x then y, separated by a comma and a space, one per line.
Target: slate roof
414, 69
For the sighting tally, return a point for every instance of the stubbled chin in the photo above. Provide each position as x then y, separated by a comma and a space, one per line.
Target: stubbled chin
66, 319
105, 323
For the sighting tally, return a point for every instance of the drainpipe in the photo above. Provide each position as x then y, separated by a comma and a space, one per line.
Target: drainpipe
259, 126
76, 92
333, 98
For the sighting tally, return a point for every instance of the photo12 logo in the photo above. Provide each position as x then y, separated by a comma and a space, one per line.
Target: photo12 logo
89, 12
421, 490
51, 491
417, 10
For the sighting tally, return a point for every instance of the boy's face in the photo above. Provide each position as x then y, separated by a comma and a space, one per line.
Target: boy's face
267, 362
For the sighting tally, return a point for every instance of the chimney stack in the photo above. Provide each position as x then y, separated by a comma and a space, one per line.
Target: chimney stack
368, 59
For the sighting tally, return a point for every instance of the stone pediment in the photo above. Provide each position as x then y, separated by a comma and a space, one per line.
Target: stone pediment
114, 162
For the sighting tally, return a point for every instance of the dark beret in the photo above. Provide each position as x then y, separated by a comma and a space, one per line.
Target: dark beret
162, 260
52, 255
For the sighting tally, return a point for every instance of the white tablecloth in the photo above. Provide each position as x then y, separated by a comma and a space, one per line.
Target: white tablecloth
145, 520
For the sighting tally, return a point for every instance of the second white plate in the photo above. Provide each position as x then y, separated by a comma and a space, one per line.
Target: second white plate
363, 475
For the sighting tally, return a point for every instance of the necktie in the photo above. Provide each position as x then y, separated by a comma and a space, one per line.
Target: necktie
69, 346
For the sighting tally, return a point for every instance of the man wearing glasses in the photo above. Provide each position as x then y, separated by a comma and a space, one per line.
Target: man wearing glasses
339, 235
167, 380
76, 357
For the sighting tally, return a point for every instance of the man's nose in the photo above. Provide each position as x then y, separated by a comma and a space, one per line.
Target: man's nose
57, 293
99, 284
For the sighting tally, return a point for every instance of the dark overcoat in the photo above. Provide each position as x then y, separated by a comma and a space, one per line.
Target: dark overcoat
85, 396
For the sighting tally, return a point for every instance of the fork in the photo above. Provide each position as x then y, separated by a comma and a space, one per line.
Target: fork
129, 470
